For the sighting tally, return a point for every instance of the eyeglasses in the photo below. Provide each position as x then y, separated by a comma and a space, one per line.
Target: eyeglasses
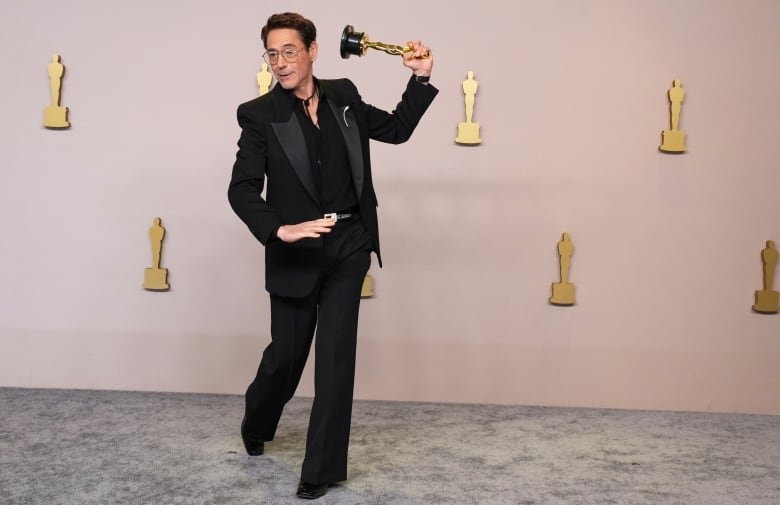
290, 54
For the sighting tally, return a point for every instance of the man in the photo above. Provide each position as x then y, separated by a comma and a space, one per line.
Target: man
309, 138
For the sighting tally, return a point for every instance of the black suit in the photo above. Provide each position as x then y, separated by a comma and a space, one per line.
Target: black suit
312, 281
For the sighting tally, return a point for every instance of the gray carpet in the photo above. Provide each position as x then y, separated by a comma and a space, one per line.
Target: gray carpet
65, 447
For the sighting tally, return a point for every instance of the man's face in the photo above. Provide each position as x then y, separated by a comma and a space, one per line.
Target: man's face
281, 45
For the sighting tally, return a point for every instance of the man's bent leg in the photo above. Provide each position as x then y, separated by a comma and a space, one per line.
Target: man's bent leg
292, 329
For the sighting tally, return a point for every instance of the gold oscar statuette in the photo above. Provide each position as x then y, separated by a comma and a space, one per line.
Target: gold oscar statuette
55, 116
468, 132
357, 43
563, 292
673, 141
156, 278
768, 300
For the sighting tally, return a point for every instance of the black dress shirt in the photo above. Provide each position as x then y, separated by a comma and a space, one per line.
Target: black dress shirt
328, 156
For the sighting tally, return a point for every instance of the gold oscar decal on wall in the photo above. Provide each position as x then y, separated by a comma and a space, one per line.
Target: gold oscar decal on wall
264, 79
55, 116
768, 300
563, 292
156, 278
468, 132
673, 141
367, 291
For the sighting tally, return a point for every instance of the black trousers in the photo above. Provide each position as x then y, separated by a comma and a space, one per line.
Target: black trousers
332, 308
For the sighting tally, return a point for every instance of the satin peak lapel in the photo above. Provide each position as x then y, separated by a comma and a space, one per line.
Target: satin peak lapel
346, 120
291, 138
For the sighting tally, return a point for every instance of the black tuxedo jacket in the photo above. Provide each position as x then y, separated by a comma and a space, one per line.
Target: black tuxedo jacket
272, 148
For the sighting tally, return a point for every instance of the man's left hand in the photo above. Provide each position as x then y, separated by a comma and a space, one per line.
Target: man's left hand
420, 65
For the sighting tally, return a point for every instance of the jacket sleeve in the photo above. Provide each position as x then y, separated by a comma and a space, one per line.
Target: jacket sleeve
397, 126
246, 185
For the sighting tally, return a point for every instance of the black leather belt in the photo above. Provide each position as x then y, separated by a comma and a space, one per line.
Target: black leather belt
342, 215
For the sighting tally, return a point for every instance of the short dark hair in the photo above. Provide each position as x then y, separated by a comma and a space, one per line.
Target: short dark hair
305, 27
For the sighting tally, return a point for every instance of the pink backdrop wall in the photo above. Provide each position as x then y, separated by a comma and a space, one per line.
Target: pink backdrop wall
571, 103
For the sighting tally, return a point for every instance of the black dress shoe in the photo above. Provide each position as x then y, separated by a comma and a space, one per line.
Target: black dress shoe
253, 447
311, 491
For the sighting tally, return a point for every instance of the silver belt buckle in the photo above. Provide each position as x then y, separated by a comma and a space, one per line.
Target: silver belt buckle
338, 217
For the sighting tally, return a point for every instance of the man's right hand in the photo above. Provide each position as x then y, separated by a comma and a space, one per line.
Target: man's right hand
309, 229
